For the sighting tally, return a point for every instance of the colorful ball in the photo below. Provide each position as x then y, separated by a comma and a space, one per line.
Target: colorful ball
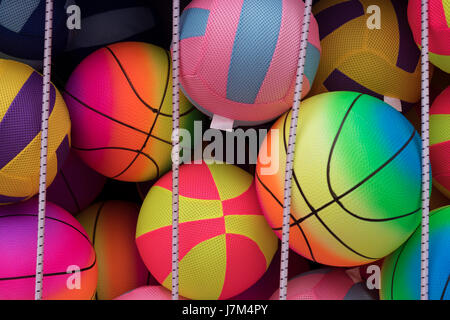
120, 103
148, 293
112, 225
226, 244
357, 179
400, 275
439, 30
328, 284
76, 186
440, 141
20, 127
238, 58
67, 248
22, 29
384, 62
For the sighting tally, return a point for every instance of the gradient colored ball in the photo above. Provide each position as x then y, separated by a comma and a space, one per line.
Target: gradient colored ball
148, 293
76, 186
20, 128
400, 275
328, 284
440, 141
239, 57
439, 30
384, 62
120, 103
357, 179
225, 242
67, 247
112, 225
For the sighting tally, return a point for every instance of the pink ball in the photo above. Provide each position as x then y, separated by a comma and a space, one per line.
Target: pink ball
148, 293
328, 284
239, 58
76, 186
66, 245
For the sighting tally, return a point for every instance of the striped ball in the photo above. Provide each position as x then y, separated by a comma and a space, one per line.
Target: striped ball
384, 63
328, 284
111, 225
400, 274
439, 30
120, 103
356, 181
20, 127
67, 248
440, 141
239, 57
226, 244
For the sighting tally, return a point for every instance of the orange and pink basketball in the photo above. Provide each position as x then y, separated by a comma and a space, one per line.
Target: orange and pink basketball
226, 244
67, 249
148, 293
440, 141
239, 57
120, 103
439, 30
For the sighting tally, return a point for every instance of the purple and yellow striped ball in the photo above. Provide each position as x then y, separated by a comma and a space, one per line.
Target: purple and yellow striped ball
359, 55
400, 274
238, 58
120, 103
112, 225
439, 30
67, 248
357, 179
20, 131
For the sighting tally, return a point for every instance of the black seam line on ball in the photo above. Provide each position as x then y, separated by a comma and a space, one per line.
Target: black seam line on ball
395, 270
118, 148
445, 288
56, 273
158, 111
97, 216
292, 217
75, 200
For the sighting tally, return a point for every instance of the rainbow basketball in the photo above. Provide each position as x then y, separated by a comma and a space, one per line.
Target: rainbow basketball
440, 141
358, 56
328, 284
226, 244
400, 275
238, 58
20, 132
439, 30
112, 225
76, 186
120, 103
148, 293
356, 182
67, 249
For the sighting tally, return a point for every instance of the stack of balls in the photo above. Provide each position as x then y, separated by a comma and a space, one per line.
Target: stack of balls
356, 188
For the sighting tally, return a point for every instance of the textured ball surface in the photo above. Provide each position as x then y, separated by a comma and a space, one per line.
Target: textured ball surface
20, 127
440, 141
111, 225
148, 293
226, 244
328, 284
400, 275
357, 179
238, 58
384, 63
439, 30
76, 186
120, 103
66, 245
22, 28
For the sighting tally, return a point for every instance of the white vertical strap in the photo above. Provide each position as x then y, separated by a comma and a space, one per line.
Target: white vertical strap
175, 144
290, 153
44, 141
425, 155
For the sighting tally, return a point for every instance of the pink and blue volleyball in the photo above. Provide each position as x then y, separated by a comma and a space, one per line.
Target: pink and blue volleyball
239, 58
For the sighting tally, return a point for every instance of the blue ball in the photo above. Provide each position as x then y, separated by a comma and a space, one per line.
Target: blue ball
22, 28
